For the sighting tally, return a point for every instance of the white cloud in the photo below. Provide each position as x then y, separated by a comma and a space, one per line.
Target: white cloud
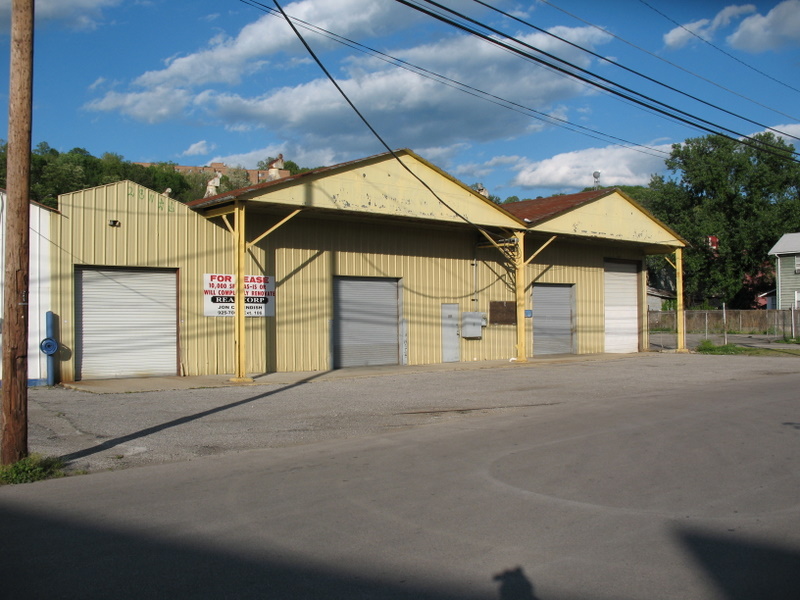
227, 59
214, 82
419, 108
778, 29
152, 106
573, 170
483, 169
79, 14
705, 28
198, 149
792, 131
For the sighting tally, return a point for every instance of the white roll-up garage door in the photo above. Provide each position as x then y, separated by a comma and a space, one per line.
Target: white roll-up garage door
621, 307
366, 322
552, 319
127, 324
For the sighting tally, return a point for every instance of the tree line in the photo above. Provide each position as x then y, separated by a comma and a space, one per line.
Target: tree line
54, 173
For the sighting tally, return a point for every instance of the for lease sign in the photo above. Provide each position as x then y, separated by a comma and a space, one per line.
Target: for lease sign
219, 293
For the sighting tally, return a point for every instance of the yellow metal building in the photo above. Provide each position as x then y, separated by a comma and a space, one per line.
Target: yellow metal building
376, 261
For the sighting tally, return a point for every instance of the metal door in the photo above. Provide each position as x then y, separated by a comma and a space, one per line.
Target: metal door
451, 340
553, 316
366, 322
621, 307
127, 323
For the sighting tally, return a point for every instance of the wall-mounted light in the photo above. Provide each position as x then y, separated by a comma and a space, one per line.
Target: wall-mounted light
113, 223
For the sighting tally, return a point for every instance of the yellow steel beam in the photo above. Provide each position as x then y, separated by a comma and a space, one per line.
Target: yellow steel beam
219, 211
273, 228
228, 224
240, 344
542, 247
519, 288
492, 242
679, 313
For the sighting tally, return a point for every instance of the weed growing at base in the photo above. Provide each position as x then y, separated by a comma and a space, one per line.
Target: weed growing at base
32, 468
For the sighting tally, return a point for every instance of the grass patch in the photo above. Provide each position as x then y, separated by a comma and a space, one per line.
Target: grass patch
708, 347
32, 468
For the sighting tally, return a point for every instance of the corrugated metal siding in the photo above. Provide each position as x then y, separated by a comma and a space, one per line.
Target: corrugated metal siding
580, 264
435, 266
154, 231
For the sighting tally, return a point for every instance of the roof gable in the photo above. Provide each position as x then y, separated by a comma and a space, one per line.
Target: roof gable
377, 185
788, 244
603, 214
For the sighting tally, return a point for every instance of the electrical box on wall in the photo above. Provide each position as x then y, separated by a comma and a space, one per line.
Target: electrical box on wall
472, 324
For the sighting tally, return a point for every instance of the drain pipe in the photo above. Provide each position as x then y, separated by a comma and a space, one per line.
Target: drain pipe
49, 347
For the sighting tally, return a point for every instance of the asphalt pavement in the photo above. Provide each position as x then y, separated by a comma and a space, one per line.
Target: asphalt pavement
632, 477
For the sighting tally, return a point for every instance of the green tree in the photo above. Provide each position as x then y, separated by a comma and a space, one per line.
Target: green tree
235, 179
746, 195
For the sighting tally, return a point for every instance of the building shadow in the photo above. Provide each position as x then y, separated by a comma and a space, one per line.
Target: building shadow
745, 569
46, 557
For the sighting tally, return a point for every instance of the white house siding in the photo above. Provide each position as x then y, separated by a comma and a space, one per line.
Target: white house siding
38, 285
788, 281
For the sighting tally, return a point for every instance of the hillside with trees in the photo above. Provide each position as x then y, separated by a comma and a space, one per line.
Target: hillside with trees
54, 173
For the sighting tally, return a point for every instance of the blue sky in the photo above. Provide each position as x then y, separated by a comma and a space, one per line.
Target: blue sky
200, 81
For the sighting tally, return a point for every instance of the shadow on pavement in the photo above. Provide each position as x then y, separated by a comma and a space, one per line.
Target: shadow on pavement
744, 569
108, 444
43, 557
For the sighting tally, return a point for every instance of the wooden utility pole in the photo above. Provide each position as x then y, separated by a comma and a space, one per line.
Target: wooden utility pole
14, 424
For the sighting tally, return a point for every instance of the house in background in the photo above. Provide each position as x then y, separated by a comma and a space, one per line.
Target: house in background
787, 269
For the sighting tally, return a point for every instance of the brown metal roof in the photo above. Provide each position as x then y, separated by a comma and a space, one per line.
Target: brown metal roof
541, 209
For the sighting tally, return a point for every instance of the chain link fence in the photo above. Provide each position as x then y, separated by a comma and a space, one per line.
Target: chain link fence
720, 325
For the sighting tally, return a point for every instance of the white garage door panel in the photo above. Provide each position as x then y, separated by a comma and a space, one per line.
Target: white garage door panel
128, 323
621, 308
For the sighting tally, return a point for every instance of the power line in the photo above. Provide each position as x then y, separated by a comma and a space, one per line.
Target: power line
672, 64
667, 110
717, 48
633, 71
466, 88
332, 79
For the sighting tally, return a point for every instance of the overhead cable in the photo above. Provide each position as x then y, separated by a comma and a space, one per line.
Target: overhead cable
664, 60
332, 79
633, 71
728, 54
468, 89
589, 77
